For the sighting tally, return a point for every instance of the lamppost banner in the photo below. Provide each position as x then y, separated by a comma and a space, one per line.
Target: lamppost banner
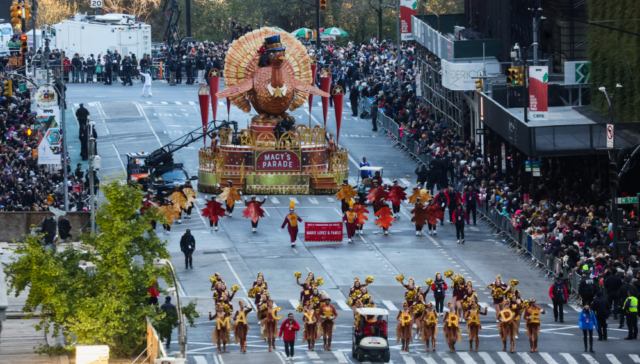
407, 8
538, 95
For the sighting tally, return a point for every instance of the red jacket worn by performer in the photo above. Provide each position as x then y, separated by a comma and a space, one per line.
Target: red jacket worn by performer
350, 219
288, 330
291, 221
460, 216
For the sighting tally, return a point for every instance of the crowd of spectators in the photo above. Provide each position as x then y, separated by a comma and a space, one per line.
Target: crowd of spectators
26, 185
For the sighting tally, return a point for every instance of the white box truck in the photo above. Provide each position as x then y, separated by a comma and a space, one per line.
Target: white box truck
6, 32
95, 34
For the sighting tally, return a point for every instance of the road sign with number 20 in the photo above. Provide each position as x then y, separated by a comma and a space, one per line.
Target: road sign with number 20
96, 3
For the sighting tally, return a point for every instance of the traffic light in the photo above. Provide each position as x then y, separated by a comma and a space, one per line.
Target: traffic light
24, 44
323, 5
16, 14
8, 88
516, 76
479, 85
26, 13
613, 175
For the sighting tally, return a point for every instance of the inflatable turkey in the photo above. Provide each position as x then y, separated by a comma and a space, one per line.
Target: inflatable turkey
283, 84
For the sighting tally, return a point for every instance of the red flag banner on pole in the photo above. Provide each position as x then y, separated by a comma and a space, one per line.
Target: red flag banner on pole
214, 84
338, 99
325, 85
314, 69
203, 99
228, 109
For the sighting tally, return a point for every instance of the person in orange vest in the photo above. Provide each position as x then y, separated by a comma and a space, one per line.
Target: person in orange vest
350, 219
291, 221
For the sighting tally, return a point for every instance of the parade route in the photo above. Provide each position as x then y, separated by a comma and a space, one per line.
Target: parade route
127, 122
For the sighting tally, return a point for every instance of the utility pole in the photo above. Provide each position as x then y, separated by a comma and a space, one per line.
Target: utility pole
318, 47
34, 7
92, 146
399, 52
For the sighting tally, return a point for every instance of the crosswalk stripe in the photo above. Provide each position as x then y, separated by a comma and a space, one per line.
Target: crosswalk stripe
294, 303
312, 355
390, 305
612, 358
548, 358
505, 358
446, 358
551, 305
220, 103
353, 181
295, 200
191, 103
590, 359
331, 199
486, 357
575, 307
319, 104
200, 360
527, 359
635, 358
313, 200
149, 103
490, 309
407, 359
431, 360
405, 181
178, 103
340, 357
466, 358
568, 358
348, 103
275, 200
76, 105
164, 103
386, 181
343, 305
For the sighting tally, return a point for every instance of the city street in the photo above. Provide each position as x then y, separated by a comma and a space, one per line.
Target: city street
127, 122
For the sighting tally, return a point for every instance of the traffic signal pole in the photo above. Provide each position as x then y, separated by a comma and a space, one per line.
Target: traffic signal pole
318, 47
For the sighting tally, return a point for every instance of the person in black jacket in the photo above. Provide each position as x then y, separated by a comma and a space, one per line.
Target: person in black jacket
353, 98
612, 284
173, 69
179, 65
64, 228
200, 65
187, 246
188, 66
622, 296
374, 115
82, 114
559, 296
171, 315
126, 71
422, 175
602, 309
587, 288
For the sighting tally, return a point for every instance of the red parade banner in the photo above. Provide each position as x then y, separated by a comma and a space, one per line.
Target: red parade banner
314, 70
338, 100
203, 99
325, 85
323, 231
214, 84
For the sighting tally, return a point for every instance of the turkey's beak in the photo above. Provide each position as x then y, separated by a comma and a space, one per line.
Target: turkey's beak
281, 58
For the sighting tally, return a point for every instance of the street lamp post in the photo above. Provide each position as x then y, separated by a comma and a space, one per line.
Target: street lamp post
94, 163
182, 327
525, 79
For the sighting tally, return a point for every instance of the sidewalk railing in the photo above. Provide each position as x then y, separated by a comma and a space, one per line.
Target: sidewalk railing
528, 248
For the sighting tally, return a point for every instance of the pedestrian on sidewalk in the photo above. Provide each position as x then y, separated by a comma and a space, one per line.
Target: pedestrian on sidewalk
460, 216
187, 246
287, 333
169, 322
602, 309
587, 322
558, 294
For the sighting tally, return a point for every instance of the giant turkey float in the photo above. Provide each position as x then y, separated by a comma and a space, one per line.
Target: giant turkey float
303, 160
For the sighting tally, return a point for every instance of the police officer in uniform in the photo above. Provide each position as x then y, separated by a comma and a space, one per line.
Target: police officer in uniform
188, 66
630, 308
126, 70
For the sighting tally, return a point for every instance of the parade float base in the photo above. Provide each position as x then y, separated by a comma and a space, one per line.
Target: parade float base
304, 163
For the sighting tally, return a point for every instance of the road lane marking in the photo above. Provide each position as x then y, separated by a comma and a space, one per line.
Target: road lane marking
548, 358
446, 358
405, 182
148, 122
224, 256
119, 158
612, 358
590, 359
312, 355
294, 303
466, 358
343, 305
295, 200
390, 305
635, 358
340, 357
505, 358
313, 200
569, 358
486, 357
275, 200
200, 360
164, 103
526, 358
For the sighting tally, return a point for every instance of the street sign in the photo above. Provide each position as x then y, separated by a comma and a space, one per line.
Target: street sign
96, 3
536, 168
22, 87
480, 131
92, 354
610, 134
626, 200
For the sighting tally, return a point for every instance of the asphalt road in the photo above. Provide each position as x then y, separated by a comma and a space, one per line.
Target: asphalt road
127, 122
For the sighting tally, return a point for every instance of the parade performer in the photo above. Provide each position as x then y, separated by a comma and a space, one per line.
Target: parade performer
419, 216
254, 211
411, 295
149, 202
458, 284
442, 200
439, 288
517, 309
328, 314
170, 214
472, 316
418, 192
360, 209
376, 196
260, 280
430, 326
214, 211
291, 221
418, 311
188, 191
532, 318
405, 326
498, 291
178, 199
240, 326
230, 195
345, 194
357, 286
507, 327
451, 328
453, 199
468, 297
385, 218
396, 195
311, 278
310, 332
221, 333
306, 295
433, 213
523, 305
215, 279
263, 308
350, 219
270, 325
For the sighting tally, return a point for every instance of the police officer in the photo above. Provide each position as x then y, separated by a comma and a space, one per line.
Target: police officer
126, 71
188, 66
631, 310
587, 288
108, 70
179, 65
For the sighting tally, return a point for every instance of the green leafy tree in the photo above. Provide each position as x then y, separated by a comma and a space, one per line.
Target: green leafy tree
106, 306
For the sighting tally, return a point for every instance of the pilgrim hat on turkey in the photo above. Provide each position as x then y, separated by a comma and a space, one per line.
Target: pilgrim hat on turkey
273, 43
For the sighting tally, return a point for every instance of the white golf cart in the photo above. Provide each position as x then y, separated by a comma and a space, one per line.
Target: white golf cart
370, 337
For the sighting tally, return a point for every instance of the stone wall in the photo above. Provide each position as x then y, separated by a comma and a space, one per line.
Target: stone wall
13, 225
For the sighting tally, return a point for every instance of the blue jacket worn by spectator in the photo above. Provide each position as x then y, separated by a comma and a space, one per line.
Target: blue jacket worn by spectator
587, 320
